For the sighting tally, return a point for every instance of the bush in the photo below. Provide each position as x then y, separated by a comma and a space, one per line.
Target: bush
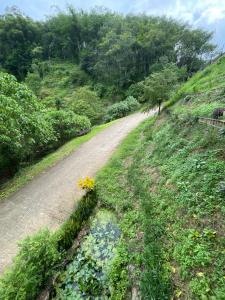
86, 102
24, 129
33, 81
32, 267
67, 124
70, 229
121, 109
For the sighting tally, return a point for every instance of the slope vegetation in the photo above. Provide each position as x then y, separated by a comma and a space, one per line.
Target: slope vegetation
166, 184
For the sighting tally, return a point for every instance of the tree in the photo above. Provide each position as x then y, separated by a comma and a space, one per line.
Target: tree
159, 85
24, 129
18, 36
192, 49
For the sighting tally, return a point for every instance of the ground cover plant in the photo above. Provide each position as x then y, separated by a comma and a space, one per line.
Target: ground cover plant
87, 275
169, 185
166, 183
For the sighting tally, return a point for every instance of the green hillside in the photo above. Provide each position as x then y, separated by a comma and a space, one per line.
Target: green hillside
167, 183
154, 215
204, 92
56, 79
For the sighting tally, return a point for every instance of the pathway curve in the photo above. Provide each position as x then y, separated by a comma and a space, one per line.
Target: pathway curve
50, 197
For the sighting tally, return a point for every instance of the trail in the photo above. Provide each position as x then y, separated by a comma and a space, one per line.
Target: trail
49, 198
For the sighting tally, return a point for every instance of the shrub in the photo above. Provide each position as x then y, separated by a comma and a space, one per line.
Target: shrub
33, 81
86, 102
24, 129
32, 267
67, 124
122, 109
70, 229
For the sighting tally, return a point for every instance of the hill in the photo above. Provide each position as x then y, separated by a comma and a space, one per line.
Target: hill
167, 184
52, 80
203, 93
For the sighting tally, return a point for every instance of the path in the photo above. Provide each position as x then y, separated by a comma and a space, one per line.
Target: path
49, 198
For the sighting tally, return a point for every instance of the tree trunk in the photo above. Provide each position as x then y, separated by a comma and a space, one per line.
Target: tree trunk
159, 111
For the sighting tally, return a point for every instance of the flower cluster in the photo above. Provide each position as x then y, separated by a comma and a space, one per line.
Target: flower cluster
86, 184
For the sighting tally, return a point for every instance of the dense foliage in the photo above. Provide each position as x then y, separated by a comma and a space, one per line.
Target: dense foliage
115, 50
121, 109
167, 183
86, 102
31, 268
67, 124
24, 129
27, 129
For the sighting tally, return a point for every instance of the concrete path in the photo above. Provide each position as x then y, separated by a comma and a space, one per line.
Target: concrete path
49, 198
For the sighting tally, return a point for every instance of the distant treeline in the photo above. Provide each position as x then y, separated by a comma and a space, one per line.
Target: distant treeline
113, 49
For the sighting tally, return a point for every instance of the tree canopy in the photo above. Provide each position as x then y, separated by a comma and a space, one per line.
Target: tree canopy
114, 49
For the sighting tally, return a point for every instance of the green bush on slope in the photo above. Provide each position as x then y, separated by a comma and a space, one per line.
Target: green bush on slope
85, 102
122, 109
31, 268
67, 124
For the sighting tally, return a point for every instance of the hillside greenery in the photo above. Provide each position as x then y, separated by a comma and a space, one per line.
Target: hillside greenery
115, 50
79, 65
166, 183
28, 129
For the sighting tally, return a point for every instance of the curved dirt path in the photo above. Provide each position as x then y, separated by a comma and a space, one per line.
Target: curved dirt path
49, 198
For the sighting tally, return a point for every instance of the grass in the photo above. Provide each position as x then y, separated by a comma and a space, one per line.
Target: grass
205, 88
27, 174
115, 191
166, 183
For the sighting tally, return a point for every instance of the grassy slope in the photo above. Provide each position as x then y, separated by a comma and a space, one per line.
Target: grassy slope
166, 182
28, 173
204, 92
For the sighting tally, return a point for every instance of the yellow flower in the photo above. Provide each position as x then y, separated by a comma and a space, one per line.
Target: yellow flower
86, 184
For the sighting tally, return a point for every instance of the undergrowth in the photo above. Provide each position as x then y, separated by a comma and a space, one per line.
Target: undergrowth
166, 183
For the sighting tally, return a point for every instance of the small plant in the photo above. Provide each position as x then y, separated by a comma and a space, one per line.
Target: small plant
86, 184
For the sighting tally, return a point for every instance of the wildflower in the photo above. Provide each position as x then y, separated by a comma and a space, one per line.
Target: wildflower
86, 184
178, 293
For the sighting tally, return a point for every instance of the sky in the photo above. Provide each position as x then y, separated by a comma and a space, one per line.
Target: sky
206, 14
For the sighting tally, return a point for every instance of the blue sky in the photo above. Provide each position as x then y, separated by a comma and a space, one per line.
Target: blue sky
207, 14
